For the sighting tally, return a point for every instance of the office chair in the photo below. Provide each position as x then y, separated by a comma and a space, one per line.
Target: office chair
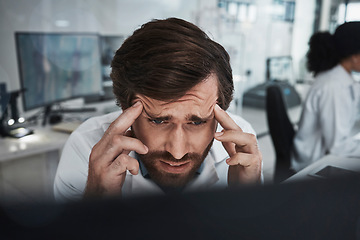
281, 131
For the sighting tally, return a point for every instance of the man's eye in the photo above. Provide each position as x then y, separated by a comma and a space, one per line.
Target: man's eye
156, 121
198, 123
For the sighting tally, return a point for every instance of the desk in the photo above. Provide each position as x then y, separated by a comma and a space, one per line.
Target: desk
43, 140
28, 165
352, 164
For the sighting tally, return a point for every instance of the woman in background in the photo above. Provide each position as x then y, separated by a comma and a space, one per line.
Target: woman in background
332, 103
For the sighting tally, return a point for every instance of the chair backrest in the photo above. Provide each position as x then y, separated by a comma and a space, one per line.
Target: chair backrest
281, 130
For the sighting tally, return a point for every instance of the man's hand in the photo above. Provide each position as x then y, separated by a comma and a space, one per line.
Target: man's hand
109, 158
245, 156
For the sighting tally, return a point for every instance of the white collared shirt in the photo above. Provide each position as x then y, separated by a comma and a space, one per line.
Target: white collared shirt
72, 172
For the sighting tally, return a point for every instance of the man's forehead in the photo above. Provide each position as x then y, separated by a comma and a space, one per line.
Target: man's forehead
198, 101
206, 90
174, 110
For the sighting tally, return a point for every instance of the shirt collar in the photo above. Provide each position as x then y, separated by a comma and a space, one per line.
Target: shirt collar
143, 170
347, 75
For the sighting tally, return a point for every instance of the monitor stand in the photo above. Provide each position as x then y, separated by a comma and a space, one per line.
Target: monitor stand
55, 116
47, 112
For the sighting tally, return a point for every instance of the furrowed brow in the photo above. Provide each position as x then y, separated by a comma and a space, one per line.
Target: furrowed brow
194, 118
162, 118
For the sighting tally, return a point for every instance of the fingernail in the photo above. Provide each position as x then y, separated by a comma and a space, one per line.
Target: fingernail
146, 148
136, 104
218, 134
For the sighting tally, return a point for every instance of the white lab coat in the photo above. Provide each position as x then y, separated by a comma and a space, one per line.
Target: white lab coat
72, 172
327, 120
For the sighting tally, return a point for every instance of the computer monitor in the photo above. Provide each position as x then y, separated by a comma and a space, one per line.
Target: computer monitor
321, 209
55, 67
279, 69
109, 45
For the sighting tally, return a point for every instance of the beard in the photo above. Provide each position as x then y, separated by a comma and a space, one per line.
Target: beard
172, 181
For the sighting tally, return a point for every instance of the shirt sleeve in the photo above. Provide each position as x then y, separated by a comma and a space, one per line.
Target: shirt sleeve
72, 171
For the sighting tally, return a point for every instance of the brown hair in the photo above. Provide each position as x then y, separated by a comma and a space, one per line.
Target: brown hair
166, 58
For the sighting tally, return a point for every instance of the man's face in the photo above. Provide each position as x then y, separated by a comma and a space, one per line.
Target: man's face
178, 134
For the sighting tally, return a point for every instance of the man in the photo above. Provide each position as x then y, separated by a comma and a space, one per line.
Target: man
173, 84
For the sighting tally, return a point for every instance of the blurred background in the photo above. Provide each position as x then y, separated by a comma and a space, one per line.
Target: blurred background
267, 41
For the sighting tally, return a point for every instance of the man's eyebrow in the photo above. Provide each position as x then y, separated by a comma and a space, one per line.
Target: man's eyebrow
157, 117
195, 118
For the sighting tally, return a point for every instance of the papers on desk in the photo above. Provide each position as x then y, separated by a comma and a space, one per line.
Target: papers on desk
67, 127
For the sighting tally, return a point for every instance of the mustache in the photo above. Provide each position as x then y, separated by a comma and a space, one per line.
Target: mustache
164, 155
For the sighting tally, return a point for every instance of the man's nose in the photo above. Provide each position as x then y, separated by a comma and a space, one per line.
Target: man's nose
177, 143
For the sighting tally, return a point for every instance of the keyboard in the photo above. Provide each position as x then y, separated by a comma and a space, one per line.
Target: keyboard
67, 127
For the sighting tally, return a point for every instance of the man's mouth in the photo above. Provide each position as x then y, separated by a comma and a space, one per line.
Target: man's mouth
175, 167
175, 164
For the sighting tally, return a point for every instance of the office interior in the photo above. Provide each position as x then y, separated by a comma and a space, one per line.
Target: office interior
267, 41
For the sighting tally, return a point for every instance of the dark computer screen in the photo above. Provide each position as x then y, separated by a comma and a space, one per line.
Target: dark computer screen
299, 210
54, 67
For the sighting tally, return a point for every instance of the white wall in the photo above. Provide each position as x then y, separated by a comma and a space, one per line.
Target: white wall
249, 44
106, 17
303, 29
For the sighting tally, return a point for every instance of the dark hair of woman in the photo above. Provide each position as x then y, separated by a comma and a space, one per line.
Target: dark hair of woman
322, 54
327, 50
